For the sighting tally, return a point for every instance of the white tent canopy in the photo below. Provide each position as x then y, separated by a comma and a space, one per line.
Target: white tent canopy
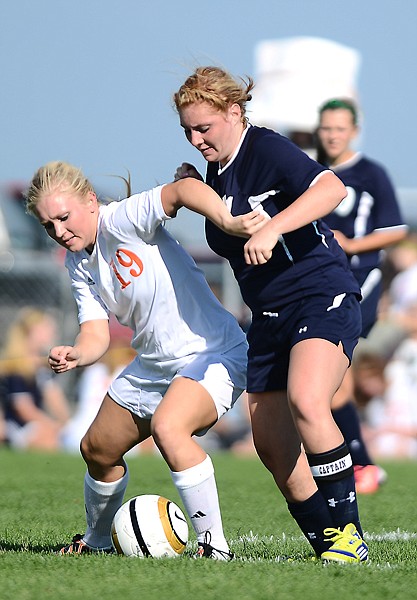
295, 75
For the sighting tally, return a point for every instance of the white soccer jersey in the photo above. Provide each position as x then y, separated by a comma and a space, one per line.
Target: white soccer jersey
141, 274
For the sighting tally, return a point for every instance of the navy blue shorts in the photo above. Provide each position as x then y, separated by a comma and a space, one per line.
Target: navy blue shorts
272, 334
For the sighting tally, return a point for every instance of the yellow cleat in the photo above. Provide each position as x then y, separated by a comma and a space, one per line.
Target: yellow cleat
347, 547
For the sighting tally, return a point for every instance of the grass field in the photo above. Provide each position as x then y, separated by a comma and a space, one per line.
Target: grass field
41, 499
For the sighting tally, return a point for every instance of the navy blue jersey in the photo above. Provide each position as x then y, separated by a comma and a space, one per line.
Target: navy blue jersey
270, 172
371, 205
15, 385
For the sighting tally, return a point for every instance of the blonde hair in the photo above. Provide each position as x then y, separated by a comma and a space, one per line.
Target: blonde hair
15, 357
217, 88
53, 177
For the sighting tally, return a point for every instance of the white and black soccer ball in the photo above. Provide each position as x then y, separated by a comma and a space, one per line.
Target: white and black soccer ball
149, 526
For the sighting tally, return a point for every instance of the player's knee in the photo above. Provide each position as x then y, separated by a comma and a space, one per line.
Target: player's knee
265, 453
306, 405
164, 432
87, 449
93, 452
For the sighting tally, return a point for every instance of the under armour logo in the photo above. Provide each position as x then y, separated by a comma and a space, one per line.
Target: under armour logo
352, 497
198, 515
333, 502
302, 329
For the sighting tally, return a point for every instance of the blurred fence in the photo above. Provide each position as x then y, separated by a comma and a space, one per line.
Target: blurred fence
36, 280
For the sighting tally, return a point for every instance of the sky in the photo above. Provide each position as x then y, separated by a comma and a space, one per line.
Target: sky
91, 81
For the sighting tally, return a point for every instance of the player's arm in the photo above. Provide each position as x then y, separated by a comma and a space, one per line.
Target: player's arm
26, 410
318, 200
389, 227
90, 344
201, 198
377, 240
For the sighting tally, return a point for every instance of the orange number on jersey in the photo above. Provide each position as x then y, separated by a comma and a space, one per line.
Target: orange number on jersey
127, 258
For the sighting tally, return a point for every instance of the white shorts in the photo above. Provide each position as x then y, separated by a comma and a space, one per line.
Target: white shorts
19, 436
222, 375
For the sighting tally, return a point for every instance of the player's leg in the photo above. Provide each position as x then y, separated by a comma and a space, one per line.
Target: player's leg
113, 432
278, 445
208, 387
343, 403
276, 437
346, 416
186, 409
368, 476
317, 368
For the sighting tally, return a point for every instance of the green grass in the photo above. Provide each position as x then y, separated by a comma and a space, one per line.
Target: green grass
41, 501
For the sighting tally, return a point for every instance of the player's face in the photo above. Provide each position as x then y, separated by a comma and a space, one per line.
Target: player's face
215, 134
69, 220
336, 133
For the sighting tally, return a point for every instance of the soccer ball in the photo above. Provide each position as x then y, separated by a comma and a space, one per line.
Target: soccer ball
149, 526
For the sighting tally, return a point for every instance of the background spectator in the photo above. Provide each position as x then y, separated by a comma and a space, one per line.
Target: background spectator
35, 407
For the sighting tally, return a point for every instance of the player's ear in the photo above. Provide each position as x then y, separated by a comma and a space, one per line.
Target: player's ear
235, 111
92, 199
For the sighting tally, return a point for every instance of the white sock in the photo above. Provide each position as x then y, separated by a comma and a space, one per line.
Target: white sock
102, 500
198, 491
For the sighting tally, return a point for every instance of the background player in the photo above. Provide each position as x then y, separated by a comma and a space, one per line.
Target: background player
366, 221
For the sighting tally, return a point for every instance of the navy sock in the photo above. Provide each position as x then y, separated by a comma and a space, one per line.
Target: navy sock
347, 419
313, 517
333, 473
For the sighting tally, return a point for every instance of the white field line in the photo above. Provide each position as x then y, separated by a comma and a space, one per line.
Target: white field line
254, 539
387, 536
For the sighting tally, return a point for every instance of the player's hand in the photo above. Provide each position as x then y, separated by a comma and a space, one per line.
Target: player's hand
342, 240
258, 249
246, 225
63, 358
187, 170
